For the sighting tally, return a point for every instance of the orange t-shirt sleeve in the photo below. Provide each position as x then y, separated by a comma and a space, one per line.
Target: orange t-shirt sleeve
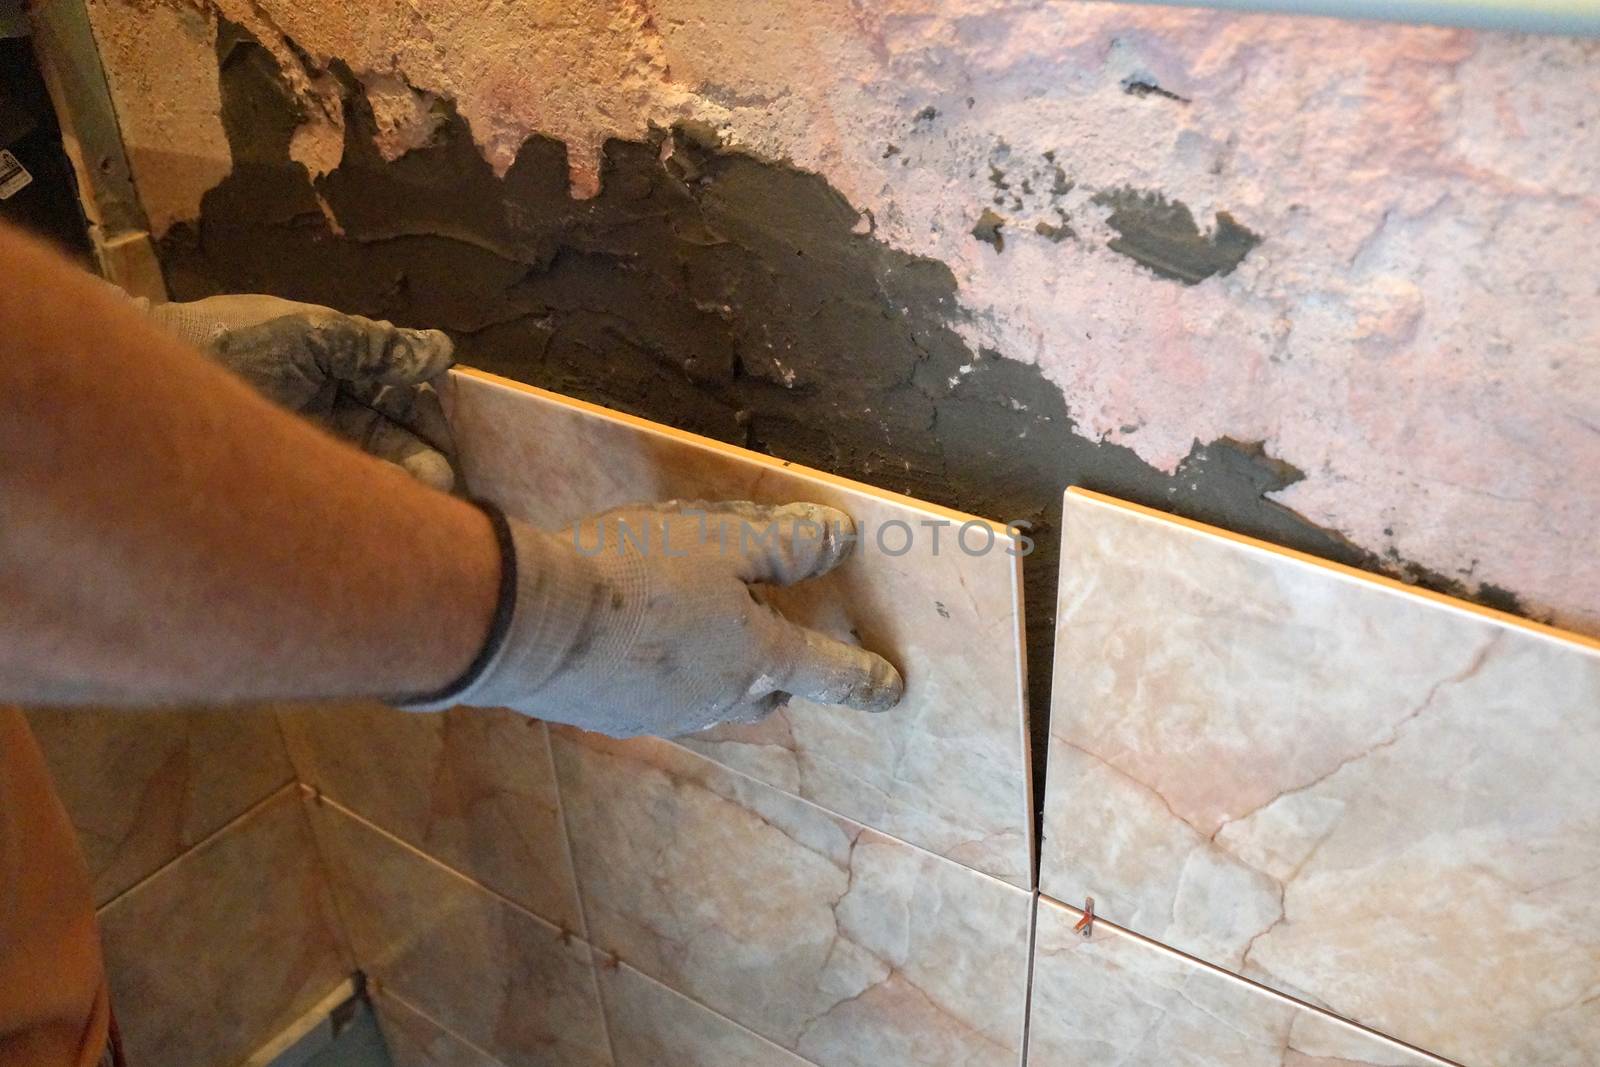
54, 1009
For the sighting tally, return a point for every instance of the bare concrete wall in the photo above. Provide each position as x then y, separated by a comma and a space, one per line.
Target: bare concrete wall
1369, 249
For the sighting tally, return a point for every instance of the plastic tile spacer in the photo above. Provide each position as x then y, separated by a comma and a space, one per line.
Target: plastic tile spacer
1085, 925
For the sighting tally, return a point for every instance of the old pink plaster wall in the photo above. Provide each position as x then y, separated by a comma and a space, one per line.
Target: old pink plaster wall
1419, 330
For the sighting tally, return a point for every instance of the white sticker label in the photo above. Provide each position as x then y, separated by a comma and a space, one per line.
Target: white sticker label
13, 176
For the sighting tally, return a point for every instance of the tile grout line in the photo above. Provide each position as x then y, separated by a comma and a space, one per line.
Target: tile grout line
566, 834
1032, 813
283, 740
323, 798
618, 961
300, 773
318, 850
317, 793
1278, 994
734, 1023
1027, 998
309, 794
578, 895
600, 1002
1030, 888
381, 991
1032, 894
254, 808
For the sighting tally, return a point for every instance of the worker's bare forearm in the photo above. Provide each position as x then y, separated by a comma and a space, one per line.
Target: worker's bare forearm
168, 535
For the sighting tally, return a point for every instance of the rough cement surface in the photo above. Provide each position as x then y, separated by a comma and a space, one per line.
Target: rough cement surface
1417, 329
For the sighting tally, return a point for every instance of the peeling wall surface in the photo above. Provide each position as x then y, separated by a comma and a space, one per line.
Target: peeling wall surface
1335, 284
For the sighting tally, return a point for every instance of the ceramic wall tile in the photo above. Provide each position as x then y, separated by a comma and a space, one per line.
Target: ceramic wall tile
414, 1040
833, 941
1384, 803
501, 978
653, 1026
946, 770
141, 787
223, 949
472, 787
1113, 998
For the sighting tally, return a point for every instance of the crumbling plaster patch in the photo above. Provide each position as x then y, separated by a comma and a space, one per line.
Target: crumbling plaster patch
161, 64
406, 118
1419, 329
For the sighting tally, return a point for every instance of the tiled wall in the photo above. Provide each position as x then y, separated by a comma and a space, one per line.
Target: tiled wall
1115, 998
949, 770
1380, 803
721, 920
826, 887
1324, 820
143, 789
217, 924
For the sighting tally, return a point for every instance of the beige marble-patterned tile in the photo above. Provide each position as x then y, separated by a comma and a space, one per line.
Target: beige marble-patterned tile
829, 939
947, 769
1113, 998
223, 949
654, 1026
1384, 803
498, 976
472, 787
143, 786
414, 1040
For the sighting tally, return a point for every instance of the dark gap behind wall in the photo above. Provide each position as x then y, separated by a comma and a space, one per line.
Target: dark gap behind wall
715, 292
38, 189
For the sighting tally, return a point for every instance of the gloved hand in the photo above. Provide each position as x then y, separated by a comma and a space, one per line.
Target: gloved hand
643, 620
650, 620
364, 379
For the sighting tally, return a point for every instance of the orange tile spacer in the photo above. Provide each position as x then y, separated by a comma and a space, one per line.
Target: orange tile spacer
1085, 925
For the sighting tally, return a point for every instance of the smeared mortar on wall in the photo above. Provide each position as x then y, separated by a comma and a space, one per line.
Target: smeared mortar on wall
1161, 234
730, 296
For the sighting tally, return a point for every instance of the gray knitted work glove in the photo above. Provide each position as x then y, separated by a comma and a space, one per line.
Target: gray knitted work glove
650, 620
364, 379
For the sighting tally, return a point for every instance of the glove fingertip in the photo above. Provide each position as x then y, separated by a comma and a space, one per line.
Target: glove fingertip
838, 538
798, 541
832, 672
428, 354
882, 690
